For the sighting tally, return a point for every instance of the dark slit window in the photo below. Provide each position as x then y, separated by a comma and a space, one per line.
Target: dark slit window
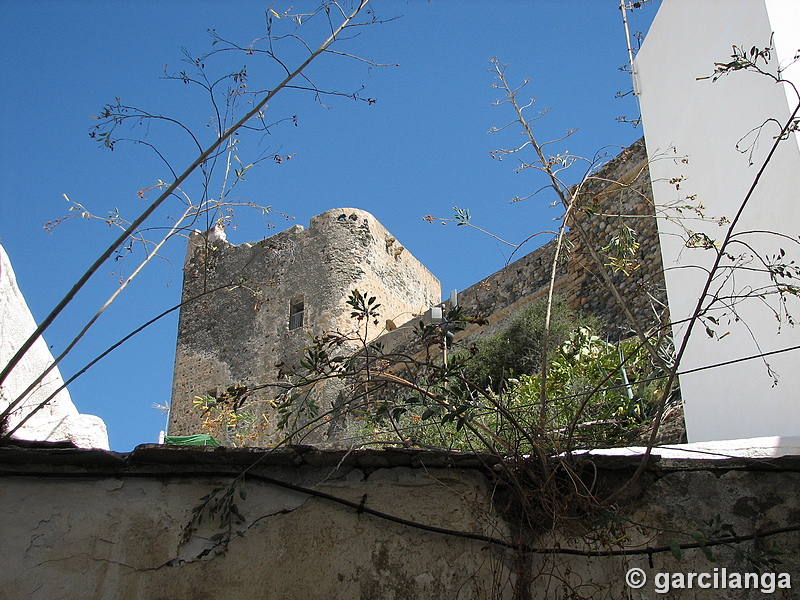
296, 313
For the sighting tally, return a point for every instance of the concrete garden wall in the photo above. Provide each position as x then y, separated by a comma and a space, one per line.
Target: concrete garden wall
100, 525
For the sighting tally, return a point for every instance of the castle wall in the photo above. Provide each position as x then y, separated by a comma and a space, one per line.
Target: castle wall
234, 327
619, 194
240, 334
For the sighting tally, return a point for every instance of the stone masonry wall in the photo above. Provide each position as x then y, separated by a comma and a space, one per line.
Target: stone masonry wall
620, 193
234, 325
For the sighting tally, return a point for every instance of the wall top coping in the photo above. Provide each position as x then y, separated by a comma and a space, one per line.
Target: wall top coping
58, 459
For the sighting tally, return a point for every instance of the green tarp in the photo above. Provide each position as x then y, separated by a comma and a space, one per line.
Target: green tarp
201, 439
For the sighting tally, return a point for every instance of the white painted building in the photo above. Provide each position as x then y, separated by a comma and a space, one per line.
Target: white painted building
57, 419
687, 114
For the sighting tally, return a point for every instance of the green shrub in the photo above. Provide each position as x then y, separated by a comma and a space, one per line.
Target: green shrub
516, 349
621, 374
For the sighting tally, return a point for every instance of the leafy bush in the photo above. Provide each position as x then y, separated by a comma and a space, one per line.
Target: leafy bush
229, 418
516, 349
596, 391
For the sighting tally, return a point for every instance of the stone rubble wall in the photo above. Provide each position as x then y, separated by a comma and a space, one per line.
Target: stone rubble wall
619, 193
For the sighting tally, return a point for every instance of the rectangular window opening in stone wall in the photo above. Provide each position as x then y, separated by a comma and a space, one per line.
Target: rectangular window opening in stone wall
296, 313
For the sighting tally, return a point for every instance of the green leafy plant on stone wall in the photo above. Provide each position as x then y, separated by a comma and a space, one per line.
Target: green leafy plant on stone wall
598, 392
517, 348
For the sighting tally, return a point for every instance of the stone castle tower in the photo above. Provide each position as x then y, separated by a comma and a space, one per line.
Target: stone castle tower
250, 310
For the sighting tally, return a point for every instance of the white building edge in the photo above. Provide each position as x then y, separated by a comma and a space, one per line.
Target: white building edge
58, 419
686, 114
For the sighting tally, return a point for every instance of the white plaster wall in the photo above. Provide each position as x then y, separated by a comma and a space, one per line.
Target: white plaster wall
704, 121
114, 538
58, 419
101, 526
784, 20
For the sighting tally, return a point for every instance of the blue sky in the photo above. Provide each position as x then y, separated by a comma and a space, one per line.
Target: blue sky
420, 149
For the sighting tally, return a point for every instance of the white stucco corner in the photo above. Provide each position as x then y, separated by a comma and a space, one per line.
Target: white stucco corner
59, 419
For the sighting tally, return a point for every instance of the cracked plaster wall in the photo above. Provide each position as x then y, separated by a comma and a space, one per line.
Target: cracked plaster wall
111, 539
82, 534
674, 507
